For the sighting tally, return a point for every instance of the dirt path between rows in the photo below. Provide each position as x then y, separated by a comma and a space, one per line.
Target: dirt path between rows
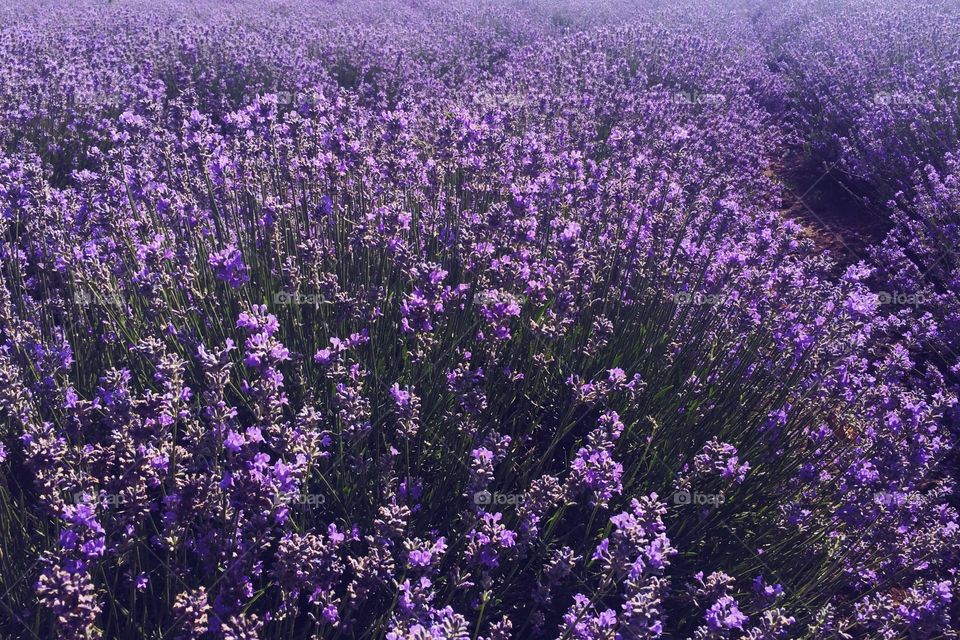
835, 219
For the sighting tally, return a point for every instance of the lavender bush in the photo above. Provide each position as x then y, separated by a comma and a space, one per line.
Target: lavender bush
414, 320
873, 98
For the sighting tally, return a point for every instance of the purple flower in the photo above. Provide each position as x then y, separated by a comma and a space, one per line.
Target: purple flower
724, 615
228, 266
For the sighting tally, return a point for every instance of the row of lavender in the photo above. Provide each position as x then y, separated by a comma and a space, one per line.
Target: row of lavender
875, 99
441, 321
875, 96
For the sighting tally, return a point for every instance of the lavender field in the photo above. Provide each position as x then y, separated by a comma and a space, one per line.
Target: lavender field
479, 319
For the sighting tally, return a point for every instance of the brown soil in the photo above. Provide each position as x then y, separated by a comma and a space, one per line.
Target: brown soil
836, 219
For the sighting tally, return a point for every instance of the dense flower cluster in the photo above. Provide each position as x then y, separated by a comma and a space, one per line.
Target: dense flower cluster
880, 107
450, 320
